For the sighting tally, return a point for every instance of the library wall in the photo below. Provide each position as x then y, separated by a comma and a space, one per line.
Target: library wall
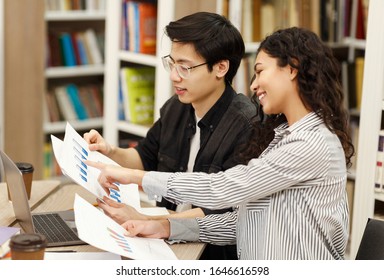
23, 81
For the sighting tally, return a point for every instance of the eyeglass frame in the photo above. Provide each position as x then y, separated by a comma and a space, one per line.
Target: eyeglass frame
176, 65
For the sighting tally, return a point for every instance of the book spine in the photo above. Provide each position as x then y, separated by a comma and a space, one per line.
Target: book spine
65, 104
95, 52
76, 102
146, 29
68, 51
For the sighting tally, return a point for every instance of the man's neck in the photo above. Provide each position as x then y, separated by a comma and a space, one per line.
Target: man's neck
203, 106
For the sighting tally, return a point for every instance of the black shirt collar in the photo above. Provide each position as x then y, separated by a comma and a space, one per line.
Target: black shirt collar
214, 115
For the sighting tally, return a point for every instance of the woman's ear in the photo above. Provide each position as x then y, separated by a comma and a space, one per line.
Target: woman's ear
293, 70
293, 73
221, 68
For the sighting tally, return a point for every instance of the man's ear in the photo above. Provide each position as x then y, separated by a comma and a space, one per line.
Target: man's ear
221, 68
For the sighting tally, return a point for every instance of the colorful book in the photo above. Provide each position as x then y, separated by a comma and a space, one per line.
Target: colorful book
132, 25
94, 50
146, 17
138, 93
68, 50
53, 108
5, 236
65, 104
97, 98
73, 94
55, 54
359, 64
79, 41
86, 101
124, 27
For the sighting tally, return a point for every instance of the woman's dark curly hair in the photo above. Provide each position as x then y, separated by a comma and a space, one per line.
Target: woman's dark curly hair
319, 86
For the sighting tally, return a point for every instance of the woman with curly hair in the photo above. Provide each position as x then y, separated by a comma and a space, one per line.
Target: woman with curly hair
290, 196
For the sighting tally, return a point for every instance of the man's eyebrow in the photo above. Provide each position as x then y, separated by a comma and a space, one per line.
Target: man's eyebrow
182, 60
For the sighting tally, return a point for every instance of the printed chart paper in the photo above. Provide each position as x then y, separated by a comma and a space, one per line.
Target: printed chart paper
70, 155
102, 232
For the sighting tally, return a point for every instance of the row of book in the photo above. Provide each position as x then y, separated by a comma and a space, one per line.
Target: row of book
330, 19
71, 102
73, 5
137, 94
75, 48
138, 26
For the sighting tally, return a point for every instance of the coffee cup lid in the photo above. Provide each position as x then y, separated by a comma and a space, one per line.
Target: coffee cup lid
25, 167
27, 242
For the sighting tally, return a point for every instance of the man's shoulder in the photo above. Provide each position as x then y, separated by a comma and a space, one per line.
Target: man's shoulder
173, 104
242, 104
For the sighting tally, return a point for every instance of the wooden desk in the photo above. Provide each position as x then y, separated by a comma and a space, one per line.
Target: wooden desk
62, 198
40, 190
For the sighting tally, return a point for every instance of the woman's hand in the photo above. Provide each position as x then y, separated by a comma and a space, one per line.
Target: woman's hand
120, 212
111, 174
149, 229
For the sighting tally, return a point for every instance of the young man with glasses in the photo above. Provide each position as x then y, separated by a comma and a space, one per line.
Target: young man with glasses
204, 125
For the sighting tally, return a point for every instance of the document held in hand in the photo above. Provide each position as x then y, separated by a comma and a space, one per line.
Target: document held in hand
102, 232
70, 155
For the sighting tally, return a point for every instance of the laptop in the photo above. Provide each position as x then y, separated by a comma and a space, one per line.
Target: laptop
58, 227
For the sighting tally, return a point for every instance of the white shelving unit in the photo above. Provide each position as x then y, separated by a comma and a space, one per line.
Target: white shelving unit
81, 17
370, 123
84, 15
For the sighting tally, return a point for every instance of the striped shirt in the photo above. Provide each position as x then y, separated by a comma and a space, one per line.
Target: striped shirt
292, 201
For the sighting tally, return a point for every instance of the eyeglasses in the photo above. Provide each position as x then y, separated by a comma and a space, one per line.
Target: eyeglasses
183, 70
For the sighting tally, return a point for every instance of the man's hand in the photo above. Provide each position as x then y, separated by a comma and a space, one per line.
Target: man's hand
96, 142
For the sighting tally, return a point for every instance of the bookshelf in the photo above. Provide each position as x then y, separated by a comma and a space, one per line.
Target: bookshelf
116, 58
370, 124
85, 74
